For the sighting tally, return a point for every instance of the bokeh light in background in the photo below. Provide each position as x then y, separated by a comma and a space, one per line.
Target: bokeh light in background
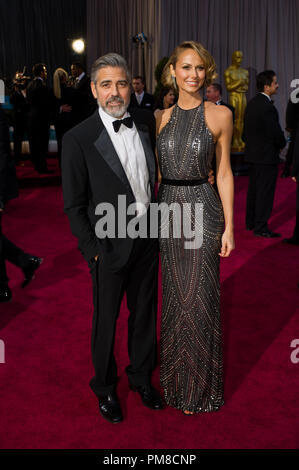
78, 46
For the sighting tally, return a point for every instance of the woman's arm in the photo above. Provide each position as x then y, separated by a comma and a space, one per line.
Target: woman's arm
158, 116
224, 177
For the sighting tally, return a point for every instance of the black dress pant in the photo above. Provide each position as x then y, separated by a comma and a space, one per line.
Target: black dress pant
38, 136
260, 195
138, 279
12, 253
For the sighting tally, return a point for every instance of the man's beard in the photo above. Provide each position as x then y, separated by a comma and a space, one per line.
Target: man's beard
119, 111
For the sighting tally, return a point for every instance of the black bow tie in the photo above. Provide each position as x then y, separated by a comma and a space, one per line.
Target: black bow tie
128, 121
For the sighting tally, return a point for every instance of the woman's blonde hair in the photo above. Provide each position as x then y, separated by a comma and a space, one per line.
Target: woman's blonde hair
209, 63
58, 75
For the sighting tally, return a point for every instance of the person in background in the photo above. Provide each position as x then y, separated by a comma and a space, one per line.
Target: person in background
38, 97
264, 139
292, 121
166, 99
9, 190
140, 98
214, 94
294, 239
18, 99
64, 99
84, 104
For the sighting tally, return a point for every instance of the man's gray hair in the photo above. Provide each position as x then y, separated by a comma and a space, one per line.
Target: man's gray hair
109, 60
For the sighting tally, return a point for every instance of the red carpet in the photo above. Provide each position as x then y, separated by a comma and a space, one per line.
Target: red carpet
45, 399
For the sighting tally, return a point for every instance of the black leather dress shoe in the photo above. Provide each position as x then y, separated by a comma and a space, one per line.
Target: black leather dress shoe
267, 234
33, 263
291, 241
149, 395
110, 408
5, 294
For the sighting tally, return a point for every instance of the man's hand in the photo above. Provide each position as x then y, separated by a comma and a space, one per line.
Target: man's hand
66, 108
211, 177
294, 179
96, 257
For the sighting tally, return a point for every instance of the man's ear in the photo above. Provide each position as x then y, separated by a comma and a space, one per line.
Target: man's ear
93, 89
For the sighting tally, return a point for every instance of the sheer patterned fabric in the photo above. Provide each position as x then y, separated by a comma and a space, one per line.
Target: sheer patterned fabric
191, 345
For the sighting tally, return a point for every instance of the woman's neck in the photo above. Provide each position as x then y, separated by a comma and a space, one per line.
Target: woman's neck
189, 101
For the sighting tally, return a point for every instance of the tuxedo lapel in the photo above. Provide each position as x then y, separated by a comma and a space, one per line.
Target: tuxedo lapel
144, 137
105, 147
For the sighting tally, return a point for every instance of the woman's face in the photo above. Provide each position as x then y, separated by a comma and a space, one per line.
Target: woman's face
189, 72
168, 99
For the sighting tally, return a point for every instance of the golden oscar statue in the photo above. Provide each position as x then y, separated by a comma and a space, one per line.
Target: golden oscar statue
236, 81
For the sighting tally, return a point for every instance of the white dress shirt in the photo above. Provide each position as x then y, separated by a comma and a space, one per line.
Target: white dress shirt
269, 98
130, 151
79, 78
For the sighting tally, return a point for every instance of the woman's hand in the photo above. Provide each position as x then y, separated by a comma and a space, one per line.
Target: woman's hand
228, 243
211, 177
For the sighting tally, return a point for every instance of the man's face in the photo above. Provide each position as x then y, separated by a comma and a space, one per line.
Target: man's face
212, 94
44, 73
138, 86
74, 71
112, 90
272, 89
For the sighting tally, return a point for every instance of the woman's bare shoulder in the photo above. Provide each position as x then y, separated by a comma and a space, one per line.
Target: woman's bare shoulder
217, 111
162, 118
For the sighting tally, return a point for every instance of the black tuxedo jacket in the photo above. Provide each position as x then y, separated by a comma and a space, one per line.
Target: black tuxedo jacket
295, 163
91, 174
292, 116
38, 97
148, 102
84, 103
8, 180
263, 135
20, 105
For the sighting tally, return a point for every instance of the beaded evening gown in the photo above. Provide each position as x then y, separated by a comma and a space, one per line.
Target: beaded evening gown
191, 345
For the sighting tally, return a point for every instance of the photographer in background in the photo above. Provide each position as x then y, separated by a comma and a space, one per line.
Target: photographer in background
18, 99
9, 190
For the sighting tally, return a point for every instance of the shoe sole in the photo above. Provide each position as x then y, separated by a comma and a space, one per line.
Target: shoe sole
108, 420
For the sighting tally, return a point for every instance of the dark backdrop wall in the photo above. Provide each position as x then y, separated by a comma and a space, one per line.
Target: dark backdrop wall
267, 31
34, 31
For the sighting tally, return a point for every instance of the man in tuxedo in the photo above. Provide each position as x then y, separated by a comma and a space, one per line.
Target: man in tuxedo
214, 94
18, 99
294, 239
264, 139
141, 99
292, 121
9, 190
38, 97
84, 102
106, 156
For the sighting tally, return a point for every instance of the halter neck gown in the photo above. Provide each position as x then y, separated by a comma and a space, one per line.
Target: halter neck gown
191, 345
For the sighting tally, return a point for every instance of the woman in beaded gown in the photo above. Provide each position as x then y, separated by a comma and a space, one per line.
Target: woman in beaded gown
188, 134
